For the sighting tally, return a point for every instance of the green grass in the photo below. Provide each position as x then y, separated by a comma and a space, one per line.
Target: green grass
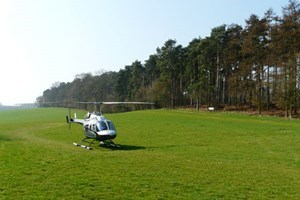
165, 155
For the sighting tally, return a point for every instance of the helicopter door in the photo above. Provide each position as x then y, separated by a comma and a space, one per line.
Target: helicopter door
93, 127
86, 127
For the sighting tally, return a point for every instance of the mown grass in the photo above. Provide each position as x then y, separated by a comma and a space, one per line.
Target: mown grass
164, 155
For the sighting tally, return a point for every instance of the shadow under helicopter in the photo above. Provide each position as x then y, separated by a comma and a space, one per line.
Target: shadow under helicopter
122, 147
5, 139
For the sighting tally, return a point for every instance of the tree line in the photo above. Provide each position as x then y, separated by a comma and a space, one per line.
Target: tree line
257, 66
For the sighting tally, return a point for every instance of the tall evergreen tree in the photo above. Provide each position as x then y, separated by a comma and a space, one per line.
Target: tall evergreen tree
122, 87
170, 62
254, 51
233, 90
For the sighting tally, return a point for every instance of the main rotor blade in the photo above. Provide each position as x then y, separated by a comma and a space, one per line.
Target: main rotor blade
116, 103
89, 102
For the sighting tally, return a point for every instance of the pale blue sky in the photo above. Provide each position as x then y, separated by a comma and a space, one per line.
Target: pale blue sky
47, 41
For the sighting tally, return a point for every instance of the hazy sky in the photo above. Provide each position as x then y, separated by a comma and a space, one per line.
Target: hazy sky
47, 41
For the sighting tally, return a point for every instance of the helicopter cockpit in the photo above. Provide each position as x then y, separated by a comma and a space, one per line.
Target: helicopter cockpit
105, 125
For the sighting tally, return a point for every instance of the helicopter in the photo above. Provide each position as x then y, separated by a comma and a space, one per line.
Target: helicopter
96, 127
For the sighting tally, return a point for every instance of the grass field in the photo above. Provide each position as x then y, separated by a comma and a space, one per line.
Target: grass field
164, 155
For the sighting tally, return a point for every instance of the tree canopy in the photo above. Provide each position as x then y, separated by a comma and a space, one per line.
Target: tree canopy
257, 66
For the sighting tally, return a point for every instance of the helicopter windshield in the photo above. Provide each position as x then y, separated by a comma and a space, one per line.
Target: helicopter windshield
110, 125
105, 125
101, 125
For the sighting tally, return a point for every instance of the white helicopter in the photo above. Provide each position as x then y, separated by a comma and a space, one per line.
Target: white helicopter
96, 127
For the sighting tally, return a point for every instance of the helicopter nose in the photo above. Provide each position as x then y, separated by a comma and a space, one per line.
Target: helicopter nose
106, 135
112, 132
107, 132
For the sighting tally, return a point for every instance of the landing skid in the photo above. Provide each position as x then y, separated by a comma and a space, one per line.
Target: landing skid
84, 141
106, 143
109, 144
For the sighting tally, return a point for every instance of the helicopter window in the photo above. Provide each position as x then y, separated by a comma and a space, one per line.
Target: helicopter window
110, 125
101, 125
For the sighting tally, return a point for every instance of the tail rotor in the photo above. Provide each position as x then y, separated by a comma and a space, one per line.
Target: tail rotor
68, 117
